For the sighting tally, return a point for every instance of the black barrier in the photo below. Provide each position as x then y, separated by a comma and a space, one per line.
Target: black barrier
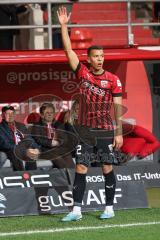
48, 192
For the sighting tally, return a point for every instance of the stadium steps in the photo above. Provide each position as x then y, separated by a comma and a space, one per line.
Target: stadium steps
92, 13
91, 16
119, 32
99, 6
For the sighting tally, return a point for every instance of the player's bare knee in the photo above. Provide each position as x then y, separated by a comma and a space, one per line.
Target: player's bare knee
107, 169
81, 169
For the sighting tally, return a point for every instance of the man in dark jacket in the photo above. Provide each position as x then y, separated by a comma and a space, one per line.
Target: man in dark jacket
16, 142
54, 138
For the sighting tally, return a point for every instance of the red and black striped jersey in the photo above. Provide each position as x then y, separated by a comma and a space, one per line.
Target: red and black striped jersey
96, 97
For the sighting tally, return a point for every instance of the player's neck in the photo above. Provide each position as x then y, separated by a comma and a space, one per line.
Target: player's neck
97, 72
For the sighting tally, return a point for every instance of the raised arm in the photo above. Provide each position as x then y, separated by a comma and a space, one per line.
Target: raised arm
71, 55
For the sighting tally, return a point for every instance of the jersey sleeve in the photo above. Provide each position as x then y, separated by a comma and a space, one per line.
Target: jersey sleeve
116, 87
81, 71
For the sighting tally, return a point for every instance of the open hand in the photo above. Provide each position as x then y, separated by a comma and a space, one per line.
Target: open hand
62, 15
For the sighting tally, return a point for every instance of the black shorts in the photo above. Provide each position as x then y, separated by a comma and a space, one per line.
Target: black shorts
95, 146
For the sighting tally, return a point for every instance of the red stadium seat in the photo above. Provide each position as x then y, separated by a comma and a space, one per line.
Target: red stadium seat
60, 116
33, 118
81, 38
132, 145
139, 141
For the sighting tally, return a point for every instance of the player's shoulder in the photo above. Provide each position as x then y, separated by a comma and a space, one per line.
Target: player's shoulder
111, 76
84, 66
81, 67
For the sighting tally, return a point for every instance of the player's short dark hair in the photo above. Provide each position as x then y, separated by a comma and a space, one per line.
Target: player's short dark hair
94, 47
46, 105
7, 107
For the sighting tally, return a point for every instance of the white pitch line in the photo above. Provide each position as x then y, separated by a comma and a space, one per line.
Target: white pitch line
70, 229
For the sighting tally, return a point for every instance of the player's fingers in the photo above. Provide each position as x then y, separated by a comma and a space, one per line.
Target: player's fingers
114, 143
69, 16
60, 11
58, 14
63, 10
118, 145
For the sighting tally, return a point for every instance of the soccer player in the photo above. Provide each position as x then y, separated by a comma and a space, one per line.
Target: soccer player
99, 89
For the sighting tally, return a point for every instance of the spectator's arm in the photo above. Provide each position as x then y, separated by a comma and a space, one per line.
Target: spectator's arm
6, 145
28, 136
39, 137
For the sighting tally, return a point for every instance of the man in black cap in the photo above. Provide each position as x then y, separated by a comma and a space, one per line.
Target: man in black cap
16, 142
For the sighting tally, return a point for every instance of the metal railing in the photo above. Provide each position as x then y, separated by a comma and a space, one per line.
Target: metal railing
129, 24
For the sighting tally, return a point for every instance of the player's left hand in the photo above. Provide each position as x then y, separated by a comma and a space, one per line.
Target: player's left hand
62, 15
118, 142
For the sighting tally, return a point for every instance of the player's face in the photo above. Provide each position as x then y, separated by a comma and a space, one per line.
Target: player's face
48, 115
9, 116
96, 59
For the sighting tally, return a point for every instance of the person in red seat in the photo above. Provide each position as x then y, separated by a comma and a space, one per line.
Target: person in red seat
98, 89
16, 141
50, 134
138, 141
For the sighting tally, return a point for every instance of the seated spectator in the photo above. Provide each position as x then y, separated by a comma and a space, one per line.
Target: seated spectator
12, 134
54, 138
